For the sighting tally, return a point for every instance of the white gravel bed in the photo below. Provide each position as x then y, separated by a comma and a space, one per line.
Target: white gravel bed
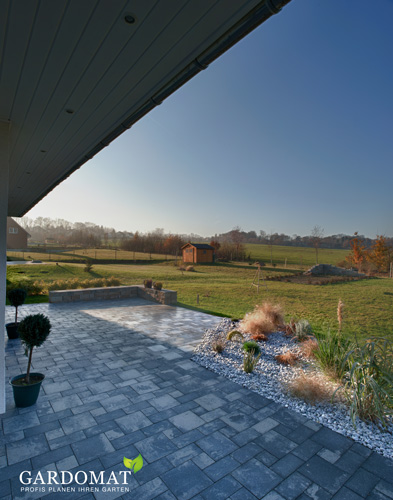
269, 377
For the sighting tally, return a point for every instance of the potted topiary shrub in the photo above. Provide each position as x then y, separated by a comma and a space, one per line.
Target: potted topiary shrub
157, 285
17, 297
148, 283
33, 331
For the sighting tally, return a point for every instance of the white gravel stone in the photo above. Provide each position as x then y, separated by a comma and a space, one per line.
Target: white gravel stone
269, 377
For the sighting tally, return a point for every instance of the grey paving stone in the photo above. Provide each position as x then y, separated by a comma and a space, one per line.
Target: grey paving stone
329, 456
245, 437
350, 461
242, 494
307, 449
210, 402
289, 418
133, 422
362, 482
275, 443
20, 422
385, 488
183, 455
239, 421
77, 423
56, 387
143, 387
293, 486
155, 447
203, 460
248, 451
92, 448
346, 494
147, 491
265, 425
332, 440
186, 421
66, 402
150, 471
64, 440
51, 456
323, 473
27, 448
221, 468
316, 492
186, 481
286, 465
187, 438
216, 445
380, 466
164, 402
256, 477
116, 402
222, 489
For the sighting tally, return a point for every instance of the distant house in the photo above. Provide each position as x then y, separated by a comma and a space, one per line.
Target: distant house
16, 235
198, 253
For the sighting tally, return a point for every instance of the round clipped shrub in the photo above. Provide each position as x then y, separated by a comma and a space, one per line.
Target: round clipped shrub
33, 331
251, 345
157, 285
17, 297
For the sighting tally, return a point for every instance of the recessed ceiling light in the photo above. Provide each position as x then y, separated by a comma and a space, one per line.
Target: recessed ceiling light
43, 150
69, 111
129, 19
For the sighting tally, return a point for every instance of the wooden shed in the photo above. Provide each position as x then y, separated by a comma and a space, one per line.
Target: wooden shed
198, 253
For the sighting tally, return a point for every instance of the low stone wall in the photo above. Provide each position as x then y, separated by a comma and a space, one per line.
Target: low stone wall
329, 270
167, 297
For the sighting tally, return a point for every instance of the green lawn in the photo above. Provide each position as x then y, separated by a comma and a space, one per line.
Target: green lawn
225, 289
295, 256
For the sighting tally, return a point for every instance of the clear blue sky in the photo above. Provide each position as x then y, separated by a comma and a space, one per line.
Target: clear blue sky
292, 128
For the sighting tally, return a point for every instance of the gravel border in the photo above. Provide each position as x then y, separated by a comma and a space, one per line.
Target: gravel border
268, 378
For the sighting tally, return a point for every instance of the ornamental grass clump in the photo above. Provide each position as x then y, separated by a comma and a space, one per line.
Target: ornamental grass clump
250, 361
331, 354
310, 388
287, 358
33, 331
368, 382
218, 345
264, 319
251, 345
302, 331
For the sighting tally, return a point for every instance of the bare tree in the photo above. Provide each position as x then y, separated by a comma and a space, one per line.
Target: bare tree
316, 237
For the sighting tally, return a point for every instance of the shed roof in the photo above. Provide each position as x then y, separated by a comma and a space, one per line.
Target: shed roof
199, 246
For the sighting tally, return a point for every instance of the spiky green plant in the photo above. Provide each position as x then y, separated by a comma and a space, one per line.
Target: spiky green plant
331, 354
368, 383
251, 345
250, 360
302, 330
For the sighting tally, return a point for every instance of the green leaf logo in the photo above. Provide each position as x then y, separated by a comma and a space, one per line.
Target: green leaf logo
137, 463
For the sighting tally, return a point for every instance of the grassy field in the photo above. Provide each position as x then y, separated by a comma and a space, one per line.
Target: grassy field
88, 253
225, 289
299, 257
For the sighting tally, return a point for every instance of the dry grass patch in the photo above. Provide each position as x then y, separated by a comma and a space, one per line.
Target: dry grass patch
313, 388
260, 337
308, 348
264, 319
287, 358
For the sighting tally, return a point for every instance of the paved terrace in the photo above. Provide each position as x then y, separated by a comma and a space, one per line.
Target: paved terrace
119, 382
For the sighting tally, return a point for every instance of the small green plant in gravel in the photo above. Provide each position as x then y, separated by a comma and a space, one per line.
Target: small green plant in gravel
251, 345
368, 383
250, 360
218, 345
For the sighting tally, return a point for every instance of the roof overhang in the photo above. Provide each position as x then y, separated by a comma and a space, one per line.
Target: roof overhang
76, 74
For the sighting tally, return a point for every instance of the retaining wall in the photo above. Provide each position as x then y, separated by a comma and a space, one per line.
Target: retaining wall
167, 297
